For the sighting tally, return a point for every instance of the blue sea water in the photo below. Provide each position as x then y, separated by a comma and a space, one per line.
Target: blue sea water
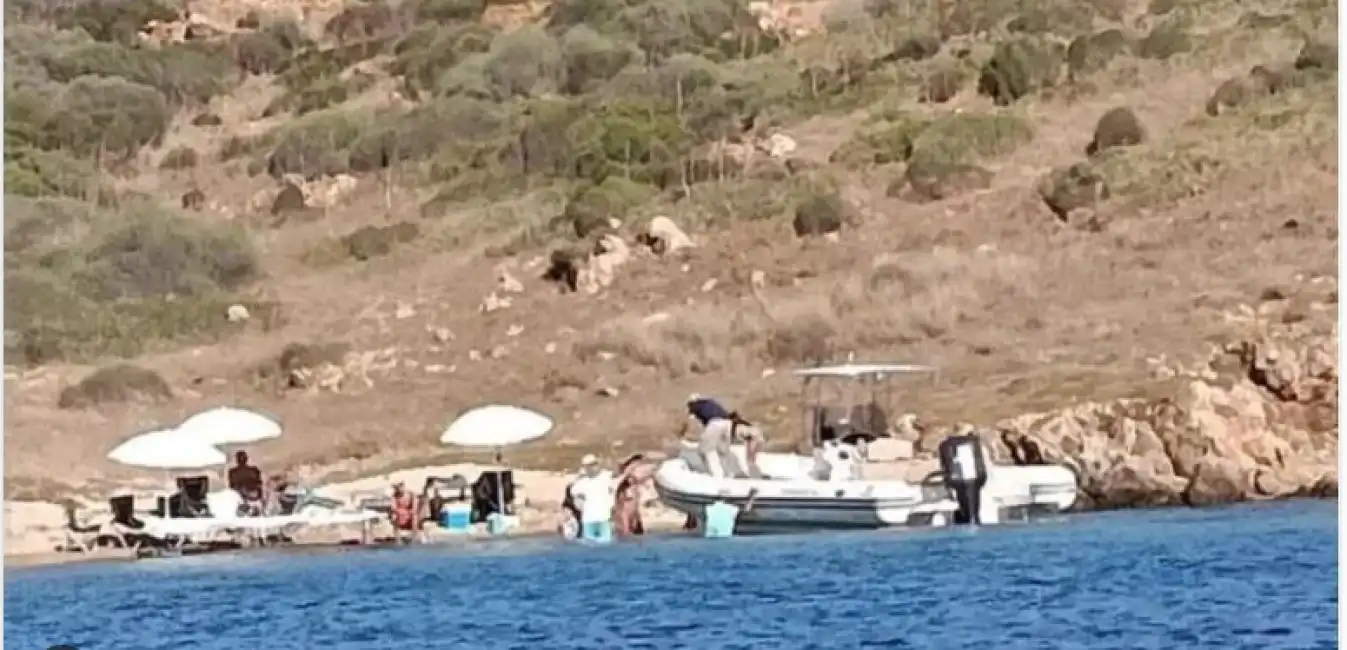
1245, 577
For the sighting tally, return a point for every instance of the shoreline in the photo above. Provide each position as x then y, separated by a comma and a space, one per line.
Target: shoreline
476, 537
658, 527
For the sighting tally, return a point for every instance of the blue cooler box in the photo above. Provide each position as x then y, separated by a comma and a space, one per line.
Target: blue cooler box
456, 518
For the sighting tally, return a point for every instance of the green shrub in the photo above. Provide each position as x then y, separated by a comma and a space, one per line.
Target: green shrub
1019, 67
363, 21
370, 242
180, 158
1064, 19
115, 384
665, 28
149, 252
1093, 52
591, 207
468, 79
589, 59
84, 283
966, 137
449, 11
889, 142
524, 63
643, 141
565, 14
187, 73
317, 144
430, 51
117, 21
546, 140
1168, 39
35, 227
456, 132
1072, 188
268, 49
972, 17
313, 64
36, 173
741, 200
819, 213
106, 115
67, 327
321, 94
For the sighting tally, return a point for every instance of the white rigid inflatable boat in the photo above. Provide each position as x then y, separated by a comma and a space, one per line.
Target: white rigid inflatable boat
828, 491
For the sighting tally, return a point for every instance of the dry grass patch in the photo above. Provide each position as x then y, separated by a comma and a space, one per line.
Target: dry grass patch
1199, 155
902, 299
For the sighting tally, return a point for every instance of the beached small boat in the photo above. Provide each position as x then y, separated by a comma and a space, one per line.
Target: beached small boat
829, 489
795, 499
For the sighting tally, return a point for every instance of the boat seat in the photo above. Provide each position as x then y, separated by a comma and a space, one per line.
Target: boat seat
887, 450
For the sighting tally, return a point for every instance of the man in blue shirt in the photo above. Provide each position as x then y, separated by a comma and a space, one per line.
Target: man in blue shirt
718, 431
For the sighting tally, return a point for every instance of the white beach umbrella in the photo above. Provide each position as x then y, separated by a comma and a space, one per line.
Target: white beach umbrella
166, 449
227, 425
496, 426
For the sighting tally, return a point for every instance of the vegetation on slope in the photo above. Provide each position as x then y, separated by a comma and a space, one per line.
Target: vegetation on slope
613, 105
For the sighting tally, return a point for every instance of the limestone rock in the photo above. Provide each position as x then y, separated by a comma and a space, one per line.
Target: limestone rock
1263, 428
666, 237
506, 281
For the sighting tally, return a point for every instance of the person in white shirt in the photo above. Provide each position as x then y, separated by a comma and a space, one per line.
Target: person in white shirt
594, 492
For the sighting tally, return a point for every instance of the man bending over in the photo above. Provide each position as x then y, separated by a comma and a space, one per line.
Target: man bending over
719, 429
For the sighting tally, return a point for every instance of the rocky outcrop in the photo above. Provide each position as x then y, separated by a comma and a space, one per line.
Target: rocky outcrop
1260, 422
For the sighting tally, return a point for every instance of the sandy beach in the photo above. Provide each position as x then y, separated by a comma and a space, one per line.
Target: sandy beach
34, 530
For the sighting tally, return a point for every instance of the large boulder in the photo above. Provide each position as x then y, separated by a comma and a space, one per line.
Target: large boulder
1259, 423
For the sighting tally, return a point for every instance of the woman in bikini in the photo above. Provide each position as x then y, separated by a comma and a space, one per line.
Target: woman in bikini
403, 514
632, 474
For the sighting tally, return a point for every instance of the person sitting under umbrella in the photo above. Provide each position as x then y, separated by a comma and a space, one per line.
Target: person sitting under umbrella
432, 504
247, 481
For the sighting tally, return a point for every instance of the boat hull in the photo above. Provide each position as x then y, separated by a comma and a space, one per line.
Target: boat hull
797, 503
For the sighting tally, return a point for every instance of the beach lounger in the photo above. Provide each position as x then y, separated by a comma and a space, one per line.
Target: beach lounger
225, 506
179, 531
191, 499
202, 529
86, 537
125, 526
319, 516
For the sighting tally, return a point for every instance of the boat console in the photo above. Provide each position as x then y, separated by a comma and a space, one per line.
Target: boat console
836, 461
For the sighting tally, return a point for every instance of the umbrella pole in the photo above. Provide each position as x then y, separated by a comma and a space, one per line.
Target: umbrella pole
500, 484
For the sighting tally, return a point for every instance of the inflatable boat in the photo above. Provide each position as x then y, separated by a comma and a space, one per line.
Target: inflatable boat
828, 490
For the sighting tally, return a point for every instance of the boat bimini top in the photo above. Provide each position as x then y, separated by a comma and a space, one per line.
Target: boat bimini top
845, 401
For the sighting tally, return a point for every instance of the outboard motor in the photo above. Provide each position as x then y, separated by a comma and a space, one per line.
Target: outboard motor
965, 472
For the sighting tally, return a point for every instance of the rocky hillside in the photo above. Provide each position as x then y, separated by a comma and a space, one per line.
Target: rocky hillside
366, 217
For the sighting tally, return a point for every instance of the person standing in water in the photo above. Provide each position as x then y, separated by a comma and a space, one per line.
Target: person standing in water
632, 474
594, 492
403, 513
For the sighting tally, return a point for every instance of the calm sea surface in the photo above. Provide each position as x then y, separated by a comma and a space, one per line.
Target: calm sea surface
1246, 577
